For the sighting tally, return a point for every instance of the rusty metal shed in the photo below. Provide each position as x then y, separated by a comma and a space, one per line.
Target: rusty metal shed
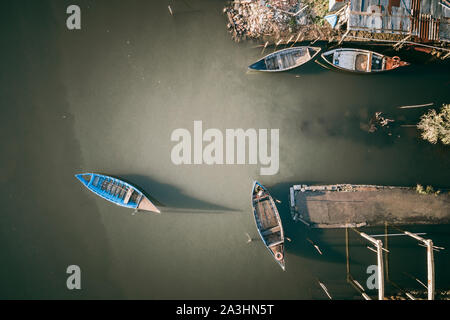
428, 20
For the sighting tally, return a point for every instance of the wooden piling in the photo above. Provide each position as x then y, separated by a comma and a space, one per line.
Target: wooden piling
347, 252
379, 250
380, 270
386, 254
430, 262
265, 46
430, 267
296, 39
343, 37
325, 290
417, 106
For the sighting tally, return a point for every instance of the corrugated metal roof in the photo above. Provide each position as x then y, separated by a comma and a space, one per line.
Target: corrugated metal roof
425, 19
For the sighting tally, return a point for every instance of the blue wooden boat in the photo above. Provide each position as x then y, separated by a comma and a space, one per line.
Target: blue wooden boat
268, 222
116, 191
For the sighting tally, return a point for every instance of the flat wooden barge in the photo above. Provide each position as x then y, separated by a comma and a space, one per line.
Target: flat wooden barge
347, 205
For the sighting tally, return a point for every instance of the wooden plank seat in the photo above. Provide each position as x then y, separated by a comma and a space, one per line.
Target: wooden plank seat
271, 230
273, 244
128, 195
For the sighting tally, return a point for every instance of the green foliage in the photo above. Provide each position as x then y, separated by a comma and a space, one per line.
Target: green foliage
292, 22
427, 190
436, 126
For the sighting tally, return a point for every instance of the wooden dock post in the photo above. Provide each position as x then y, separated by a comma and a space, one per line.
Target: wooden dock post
430, 262
347, 253
265, 46
430, 267
355, 284
296, 39
386, 254
276, 44
290, 39
380, 272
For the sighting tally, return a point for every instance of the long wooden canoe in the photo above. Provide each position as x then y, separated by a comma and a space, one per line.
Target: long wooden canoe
268, 222
361, 61
285, 59
116, 191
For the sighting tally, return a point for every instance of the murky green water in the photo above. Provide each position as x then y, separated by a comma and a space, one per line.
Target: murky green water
106, 99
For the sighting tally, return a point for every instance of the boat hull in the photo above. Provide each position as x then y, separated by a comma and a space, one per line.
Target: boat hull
116, 191
285, 59
361, 61
268, 222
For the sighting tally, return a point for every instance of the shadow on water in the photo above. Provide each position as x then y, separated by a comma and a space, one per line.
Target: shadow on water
47, 223
302, 237
167, 195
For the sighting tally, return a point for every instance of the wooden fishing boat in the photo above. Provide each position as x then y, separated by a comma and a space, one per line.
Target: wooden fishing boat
116, 191
361, 61
286, 59
268, 222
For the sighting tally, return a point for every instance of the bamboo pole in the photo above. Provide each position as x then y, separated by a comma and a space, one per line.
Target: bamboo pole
343, 37
386, 254
321, 64
430, 262
265, 46
301, 10
347, 252
318, 38
430, 267
399, 44
276, 44
325, 290
417, 106
380, 270
314, 245
296, 39
290, 39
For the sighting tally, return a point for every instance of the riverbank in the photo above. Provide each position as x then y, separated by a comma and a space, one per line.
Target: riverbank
276, 22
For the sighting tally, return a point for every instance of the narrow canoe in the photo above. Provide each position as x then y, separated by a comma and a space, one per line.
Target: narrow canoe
268, 222
361, 61
116, 191
285, 59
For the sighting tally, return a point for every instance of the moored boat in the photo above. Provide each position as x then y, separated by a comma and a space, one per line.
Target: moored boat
116, 191
268, 222
361, 61
285, 59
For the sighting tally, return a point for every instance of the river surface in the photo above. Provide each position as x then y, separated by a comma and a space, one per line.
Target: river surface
107, 98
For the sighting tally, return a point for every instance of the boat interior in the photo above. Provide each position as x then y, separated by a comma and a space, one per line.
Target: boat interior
113, 188
266, 218
287, 59
358, 61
